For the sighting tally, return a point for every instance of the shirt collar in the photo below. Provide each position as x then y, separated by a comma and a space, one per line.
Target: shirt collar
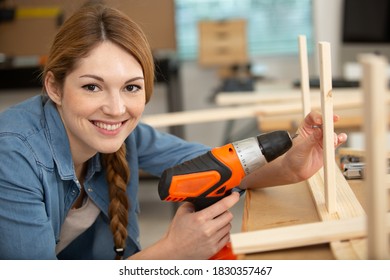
59, 145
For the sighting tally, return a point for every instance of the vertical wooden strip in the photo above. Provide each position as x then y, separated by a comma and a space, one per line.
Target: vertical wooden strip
327, 127
304, 67
374, 86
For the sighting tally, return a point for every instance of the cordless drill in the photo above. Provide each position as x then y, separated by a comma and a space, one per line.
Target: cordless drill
212, 176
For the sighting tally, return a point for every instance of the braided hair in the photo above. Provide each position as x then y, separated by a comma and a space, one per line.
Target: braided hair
118, 175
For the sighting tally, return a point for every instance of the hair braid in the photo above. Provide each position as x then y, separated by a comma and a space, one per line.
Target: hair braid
118, 175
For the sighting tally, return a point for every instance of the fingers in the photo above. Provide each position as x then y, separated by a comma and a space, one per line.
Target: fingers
223, 236
313, 122
314, 118
221, 206
223, 219
340, 139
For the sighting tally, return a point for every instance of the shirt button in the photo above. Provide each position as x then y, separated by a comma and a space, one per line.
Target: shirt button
89, 190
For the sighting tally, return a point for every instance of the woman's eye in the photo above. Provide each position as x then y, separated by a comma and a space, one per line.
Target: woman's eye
91, 87
132, 88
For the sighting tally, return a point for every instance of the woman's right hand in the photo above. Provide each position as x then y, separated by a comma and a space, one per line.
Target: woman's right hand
200, 235
195, 235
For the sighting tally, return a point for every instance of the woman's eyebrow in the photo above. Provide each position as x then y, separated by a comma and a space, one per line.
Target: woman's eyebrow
92, 76
134, 79
102, 80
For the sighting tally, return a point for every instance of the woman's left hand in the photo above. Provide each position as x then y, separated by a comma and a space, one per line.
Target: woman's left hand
303, 160
306, 155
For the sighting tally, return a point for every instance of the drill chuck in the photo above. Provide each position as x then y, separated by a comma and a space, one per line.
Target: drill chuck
274, 144
255, 152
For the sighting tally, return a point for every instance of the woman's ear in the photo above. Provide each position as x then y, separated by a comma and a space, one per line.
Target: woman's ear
52, 88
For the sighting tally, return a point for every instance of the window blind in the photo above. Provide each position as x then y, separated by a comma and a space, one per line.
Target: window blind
272, 25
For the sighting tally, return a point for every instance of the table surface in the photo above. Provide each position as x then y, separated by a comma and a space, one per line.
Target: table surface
283, 206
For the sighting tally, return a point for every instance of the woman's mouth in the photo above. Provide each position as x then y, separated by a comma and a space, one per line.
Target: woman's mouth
109, 127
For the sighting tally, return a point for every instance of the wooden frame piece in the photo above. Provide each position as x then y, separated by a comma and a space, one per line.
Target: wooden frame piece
304, 67
331, 192
346, 224
374, 85
348, 207
327, 126
247, 111
301, 235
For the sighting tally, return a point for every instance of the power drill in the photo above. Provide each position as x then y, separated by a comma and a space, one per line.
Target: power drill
212, 176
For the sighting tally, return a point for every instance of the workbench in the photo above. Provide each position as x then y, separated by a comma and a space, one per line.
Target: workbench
284, 206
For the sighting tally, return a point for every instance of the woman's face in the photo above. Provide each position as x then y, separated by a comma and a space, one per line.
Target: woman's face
102, 100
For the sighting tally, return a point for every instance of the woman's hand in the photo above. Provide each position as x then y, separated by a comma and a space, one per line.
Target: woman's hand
299, 163
305, 157
195, 235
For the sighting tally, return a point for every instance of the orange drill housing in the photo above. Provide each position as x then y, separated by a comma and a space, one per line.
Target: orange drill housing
203, 180
228, 156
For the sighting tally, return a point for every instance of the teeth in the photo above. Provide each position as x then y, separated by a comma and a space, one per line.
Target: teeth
109, 127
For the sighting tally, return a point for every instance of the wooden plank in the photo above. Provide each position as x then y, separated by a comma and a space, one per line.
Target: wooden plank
375, 129
245, 98
304, 67
300, 235
279, 95
202, 115
332, 194
351, 120
348, 207
327, 126
247, 111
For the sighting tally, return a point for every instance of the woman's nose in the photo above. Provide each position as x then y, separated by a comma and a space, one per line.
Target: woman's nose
114, 105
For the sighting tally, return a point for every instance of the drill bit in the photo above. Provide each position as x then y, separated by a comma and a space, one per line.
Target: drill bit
313, 126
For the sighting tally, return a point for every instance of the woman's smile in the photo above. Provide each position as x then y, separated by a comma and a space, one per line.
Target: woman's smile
111, 128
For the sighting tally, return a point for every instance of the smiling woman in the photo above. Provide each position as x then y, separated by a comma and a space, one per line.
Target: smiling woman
98, 77
70, 157
100, 59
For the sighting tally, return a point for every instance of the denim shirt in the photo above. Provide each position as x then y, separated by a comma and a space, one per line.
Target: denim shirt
38, 184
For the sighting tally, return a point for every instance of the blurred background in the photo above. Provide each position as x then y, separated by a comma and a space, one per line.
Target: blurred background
203, 48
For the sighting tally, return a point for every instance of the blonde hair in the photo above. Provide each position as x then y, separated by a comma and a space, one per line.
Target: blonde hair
84, 30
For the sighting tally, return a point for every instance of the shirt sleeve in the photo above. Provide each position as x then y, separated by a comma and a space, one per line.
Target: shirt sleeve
25, 228
158, 151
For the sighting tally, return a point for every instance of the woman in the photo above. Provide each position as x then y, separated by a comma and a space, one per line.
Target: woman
70, 158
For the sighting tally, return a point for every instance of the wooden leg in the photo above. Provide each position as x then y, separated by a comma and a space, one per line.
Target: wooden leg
374, 85
327, 126
305, 85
